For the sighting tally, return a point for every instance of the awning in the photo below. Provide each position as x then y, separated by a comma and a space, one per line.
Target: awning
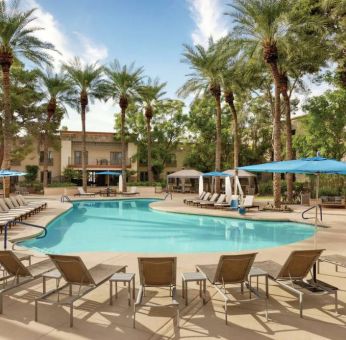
187, 173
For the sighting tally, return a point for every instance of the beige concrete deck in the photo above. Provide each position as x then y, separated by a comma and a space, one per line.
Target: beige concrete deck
96, 319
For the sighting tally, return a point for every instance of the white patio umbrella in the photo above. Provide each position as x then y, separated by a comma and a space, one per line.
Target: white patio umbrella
121, 185
200, 185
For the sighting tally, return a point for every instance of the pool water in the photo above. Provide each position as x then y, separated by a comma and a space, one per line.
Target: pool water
132, 226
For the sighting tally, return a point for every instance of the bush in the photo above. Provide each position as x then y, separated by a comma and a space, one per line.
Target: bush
31, 173
145, 184
266, 188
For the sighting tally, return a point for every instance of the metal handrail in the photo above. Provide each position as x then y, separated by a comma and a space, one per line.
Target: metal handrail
65, 197
317, 206
24, 223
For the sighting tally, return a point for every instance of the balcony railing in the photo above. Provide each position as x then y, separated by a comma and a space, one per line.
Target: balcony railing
50, 161
99, 164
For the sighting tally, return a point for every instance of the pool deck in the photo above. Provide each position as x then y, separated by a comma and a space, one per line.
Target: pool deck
95, 318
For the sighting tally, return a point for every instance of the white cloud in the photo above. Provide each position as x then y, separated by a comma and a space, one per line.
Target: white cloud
209, 19
69, 46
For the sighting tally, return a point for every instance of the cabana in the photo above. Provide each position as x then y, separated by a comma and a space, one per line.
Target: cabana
184, 180
247, 180
212, 175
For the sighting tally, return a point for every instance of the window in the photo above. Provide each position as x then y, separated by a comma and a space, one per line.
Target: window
115, 157
50, 157
78, 157
49, 177
143, 176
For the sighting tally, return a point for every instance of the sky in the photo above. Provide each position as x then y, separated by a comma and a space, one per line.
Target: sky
150, 33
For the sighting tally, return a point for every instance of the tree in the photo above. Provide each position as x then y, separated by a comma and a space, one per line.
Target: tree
206, 66
17, 39
87, 84
55, 87
150, 94
121, 85
324, 126
259, 25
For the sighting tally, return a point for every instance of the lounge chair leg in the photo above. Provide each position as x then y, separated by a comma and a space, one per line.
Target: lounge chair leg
242, 288
44, 285
134, 315
182, 289
318, 266
111, 293
266, 307
129, 293
336, 301
1, 303
178, 317
71, 315
336, 267
36, 311
301, 305
226, 313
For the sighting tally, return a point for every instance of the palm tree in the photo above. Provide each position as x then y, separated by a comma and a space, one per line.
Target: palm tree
87, 84
260, 24
150, 94
17, 39
121, 85
55, 87
205, 79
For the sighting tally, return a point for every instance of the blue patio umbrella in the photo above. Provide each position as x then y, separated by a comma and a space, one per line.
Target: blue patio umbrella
10, 173
216, 174
313, 166
109, 173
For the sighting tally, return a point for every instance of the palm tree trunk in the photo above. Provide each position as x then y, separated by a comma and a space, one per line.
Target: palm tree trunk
289, 148
230, 100
276, 133
1, 141
218, 141
84, 151
6, 164
150, 171
123, 147
45, 159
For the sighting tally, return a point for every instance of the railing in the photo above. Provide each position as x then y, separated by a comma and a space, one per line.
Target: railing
317, 207
50, 161
44, 230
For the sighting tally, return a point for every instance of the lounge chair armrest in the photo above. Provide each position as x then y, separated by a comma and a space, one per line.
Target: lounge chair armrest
139, 296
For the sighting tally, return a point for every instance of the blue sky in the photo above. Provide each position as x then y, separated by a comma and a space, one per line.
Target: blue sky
149, 32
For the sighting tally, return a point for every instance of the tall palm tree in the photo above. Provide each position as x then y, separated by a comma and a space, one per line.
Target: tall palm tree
260, 24
205, 79
17, 40
150, 94
121, 85
87, 85
55, 87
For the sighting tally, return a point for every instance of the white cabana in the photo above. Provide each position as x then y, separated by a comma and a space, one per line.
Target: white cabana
246, 183
186, 176
228, 188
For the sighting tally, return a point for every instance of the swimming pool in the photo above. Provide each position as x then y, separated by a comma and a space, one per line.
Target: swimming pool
132, 226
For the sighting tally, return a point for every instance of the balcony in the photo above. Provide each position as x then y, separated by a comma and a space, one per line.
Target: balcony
50, 162
98, 164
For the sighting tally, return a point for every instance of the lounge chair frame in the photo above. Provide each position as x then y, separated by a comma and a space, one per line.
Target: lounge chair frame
86, 282
229, 262
157, 262
297, 284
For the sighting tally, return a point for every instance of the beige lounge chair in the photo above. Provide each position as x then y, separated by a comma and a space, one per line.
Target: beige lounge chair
18, 273
220, 200
81, 192
16, 205
231, 269
336, 259
292, 275
200, 197
75, 273
206, 197
248, 203
19, 213
133, 191
157, 272
211, 201
233, 201
24, 202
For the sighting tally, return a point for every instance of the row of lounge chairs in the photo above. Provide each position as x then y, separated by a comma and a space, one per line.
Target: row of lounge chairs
133, 191
16, 208
219, 201
162, 272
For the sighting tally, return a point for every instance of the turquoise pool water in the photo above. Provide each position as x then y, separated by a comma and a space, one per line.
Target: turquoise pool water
131, 226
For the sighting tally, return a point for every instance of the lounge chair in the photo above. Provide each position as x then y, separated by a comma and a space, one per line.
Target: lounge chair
18, 273
206, 197
81, 192
221, 200
157, 272
336, 259
232, 204
292, 275
231, 269
20, 213
248, 203
200, 197
75, 273
17, 205
209, 202
133, 191
24, 202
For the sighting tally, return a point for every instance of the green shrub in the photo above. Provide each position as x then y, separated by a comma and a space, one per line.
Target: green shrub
145, 184
31, 173
266, 188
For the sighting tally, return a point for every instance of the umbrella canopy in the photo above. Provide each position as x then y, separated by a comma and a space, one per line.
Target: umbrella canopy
241, 173
216, 174
187, 173
110, 173
313, 165
11, 173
